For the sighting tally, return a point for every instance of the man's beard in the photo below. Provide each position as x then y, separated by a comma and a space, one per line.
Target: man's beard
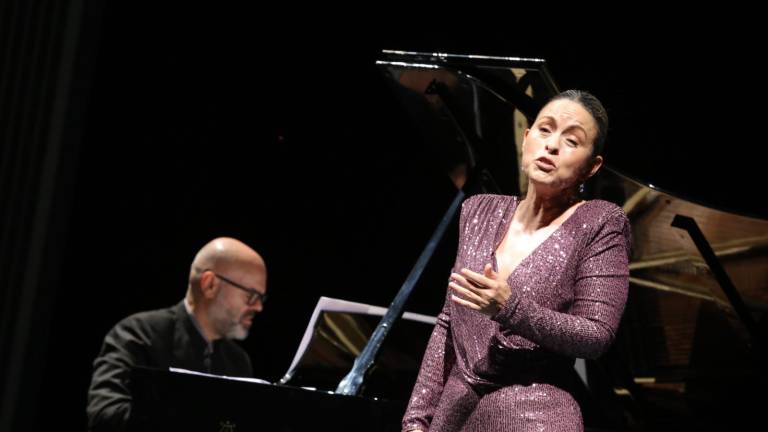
237, 331
227, 323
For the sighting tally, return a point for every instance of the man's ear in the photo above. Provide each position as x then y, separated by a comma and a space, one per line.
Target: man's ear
208, 285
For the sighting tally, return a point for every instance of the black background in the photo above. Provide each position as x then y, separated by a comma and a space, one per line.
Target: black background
281, 132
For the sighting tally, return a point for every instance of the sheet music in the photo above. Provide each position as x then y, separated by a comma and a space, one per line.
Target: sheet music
328, 304
191, 372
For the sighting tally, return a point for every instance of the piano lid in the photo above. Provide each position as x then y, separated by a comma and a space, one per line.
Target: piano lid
471, 109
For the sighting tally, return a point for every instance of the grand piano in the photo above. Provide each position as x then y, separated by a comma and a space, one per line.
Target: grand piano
690, 353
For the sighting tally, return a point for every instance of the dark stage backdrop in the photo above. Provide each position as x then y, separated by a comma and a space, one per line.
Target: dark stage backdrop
282, 133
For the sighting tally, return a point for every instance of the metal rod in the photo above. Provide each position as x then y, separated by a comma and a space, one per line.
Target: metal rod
352, 383
689, 224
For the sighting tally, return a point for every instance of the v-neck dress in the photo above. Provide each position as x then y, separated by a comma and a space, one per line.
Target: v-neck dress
509, 372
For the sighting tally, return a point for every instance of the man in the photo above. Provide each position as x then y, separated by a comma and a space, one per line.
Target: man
227, 287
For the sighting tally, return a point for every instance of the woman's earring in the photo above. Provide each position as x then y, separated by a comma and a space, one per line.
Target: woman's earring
581, 188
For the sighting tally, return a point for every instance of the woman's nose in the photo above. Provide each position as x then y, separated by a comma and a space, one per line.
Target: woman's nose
551, 146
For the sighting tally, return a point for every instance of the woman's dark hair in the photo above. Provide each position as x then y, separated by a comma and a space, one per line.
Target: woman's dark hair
595, 108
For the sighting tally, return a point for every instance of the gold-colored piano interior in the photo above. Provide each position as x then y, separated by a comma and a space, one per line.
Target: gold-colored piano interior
681, 338
340, 337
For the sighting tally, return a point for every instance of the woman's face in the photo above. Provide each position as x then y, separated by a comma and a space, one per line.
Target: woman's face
557, 150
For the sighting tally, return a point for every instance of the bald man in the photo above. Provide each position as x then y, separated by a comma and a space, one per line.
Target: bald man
227, 287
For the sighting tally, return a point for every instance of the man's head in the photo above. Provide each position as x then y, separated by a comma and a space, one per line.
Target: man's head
227, 287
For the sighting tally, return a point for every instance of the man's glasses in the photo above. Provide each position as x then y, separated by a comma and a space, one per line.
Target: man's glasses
253, 295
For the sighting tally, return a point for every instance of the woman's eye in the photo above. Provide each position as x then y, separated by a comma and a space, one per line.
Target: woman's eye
572, 142
544, 129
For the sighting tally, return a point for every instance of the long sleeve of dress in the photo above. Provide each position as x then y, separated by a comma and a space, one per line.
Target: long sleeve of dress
435, 368
600, 293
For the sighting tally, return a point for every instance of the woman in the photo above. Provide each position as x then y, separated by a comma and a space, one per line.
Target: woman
538, 281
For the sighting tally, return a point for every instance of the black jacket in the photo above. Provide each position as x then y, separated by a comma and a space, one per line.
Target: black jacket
159, 339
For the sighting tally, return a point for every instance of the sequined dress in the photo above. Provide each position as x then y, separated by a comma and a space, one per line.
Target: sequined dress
505, 373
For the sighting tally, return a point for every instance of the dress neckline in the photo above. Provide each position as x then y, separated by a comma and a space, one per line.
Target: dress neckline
504, 226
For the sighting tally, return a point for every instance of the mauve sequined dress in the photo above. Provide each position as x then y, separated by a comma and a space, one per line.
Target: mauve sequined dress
505, 373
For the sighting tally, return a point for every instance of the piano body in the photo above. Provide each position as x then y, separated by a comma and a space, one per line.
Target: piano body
337, 332
690, 352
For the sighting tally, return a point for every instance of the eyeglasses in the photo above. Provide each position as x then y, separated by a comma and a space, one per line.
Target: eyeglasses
253, 295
